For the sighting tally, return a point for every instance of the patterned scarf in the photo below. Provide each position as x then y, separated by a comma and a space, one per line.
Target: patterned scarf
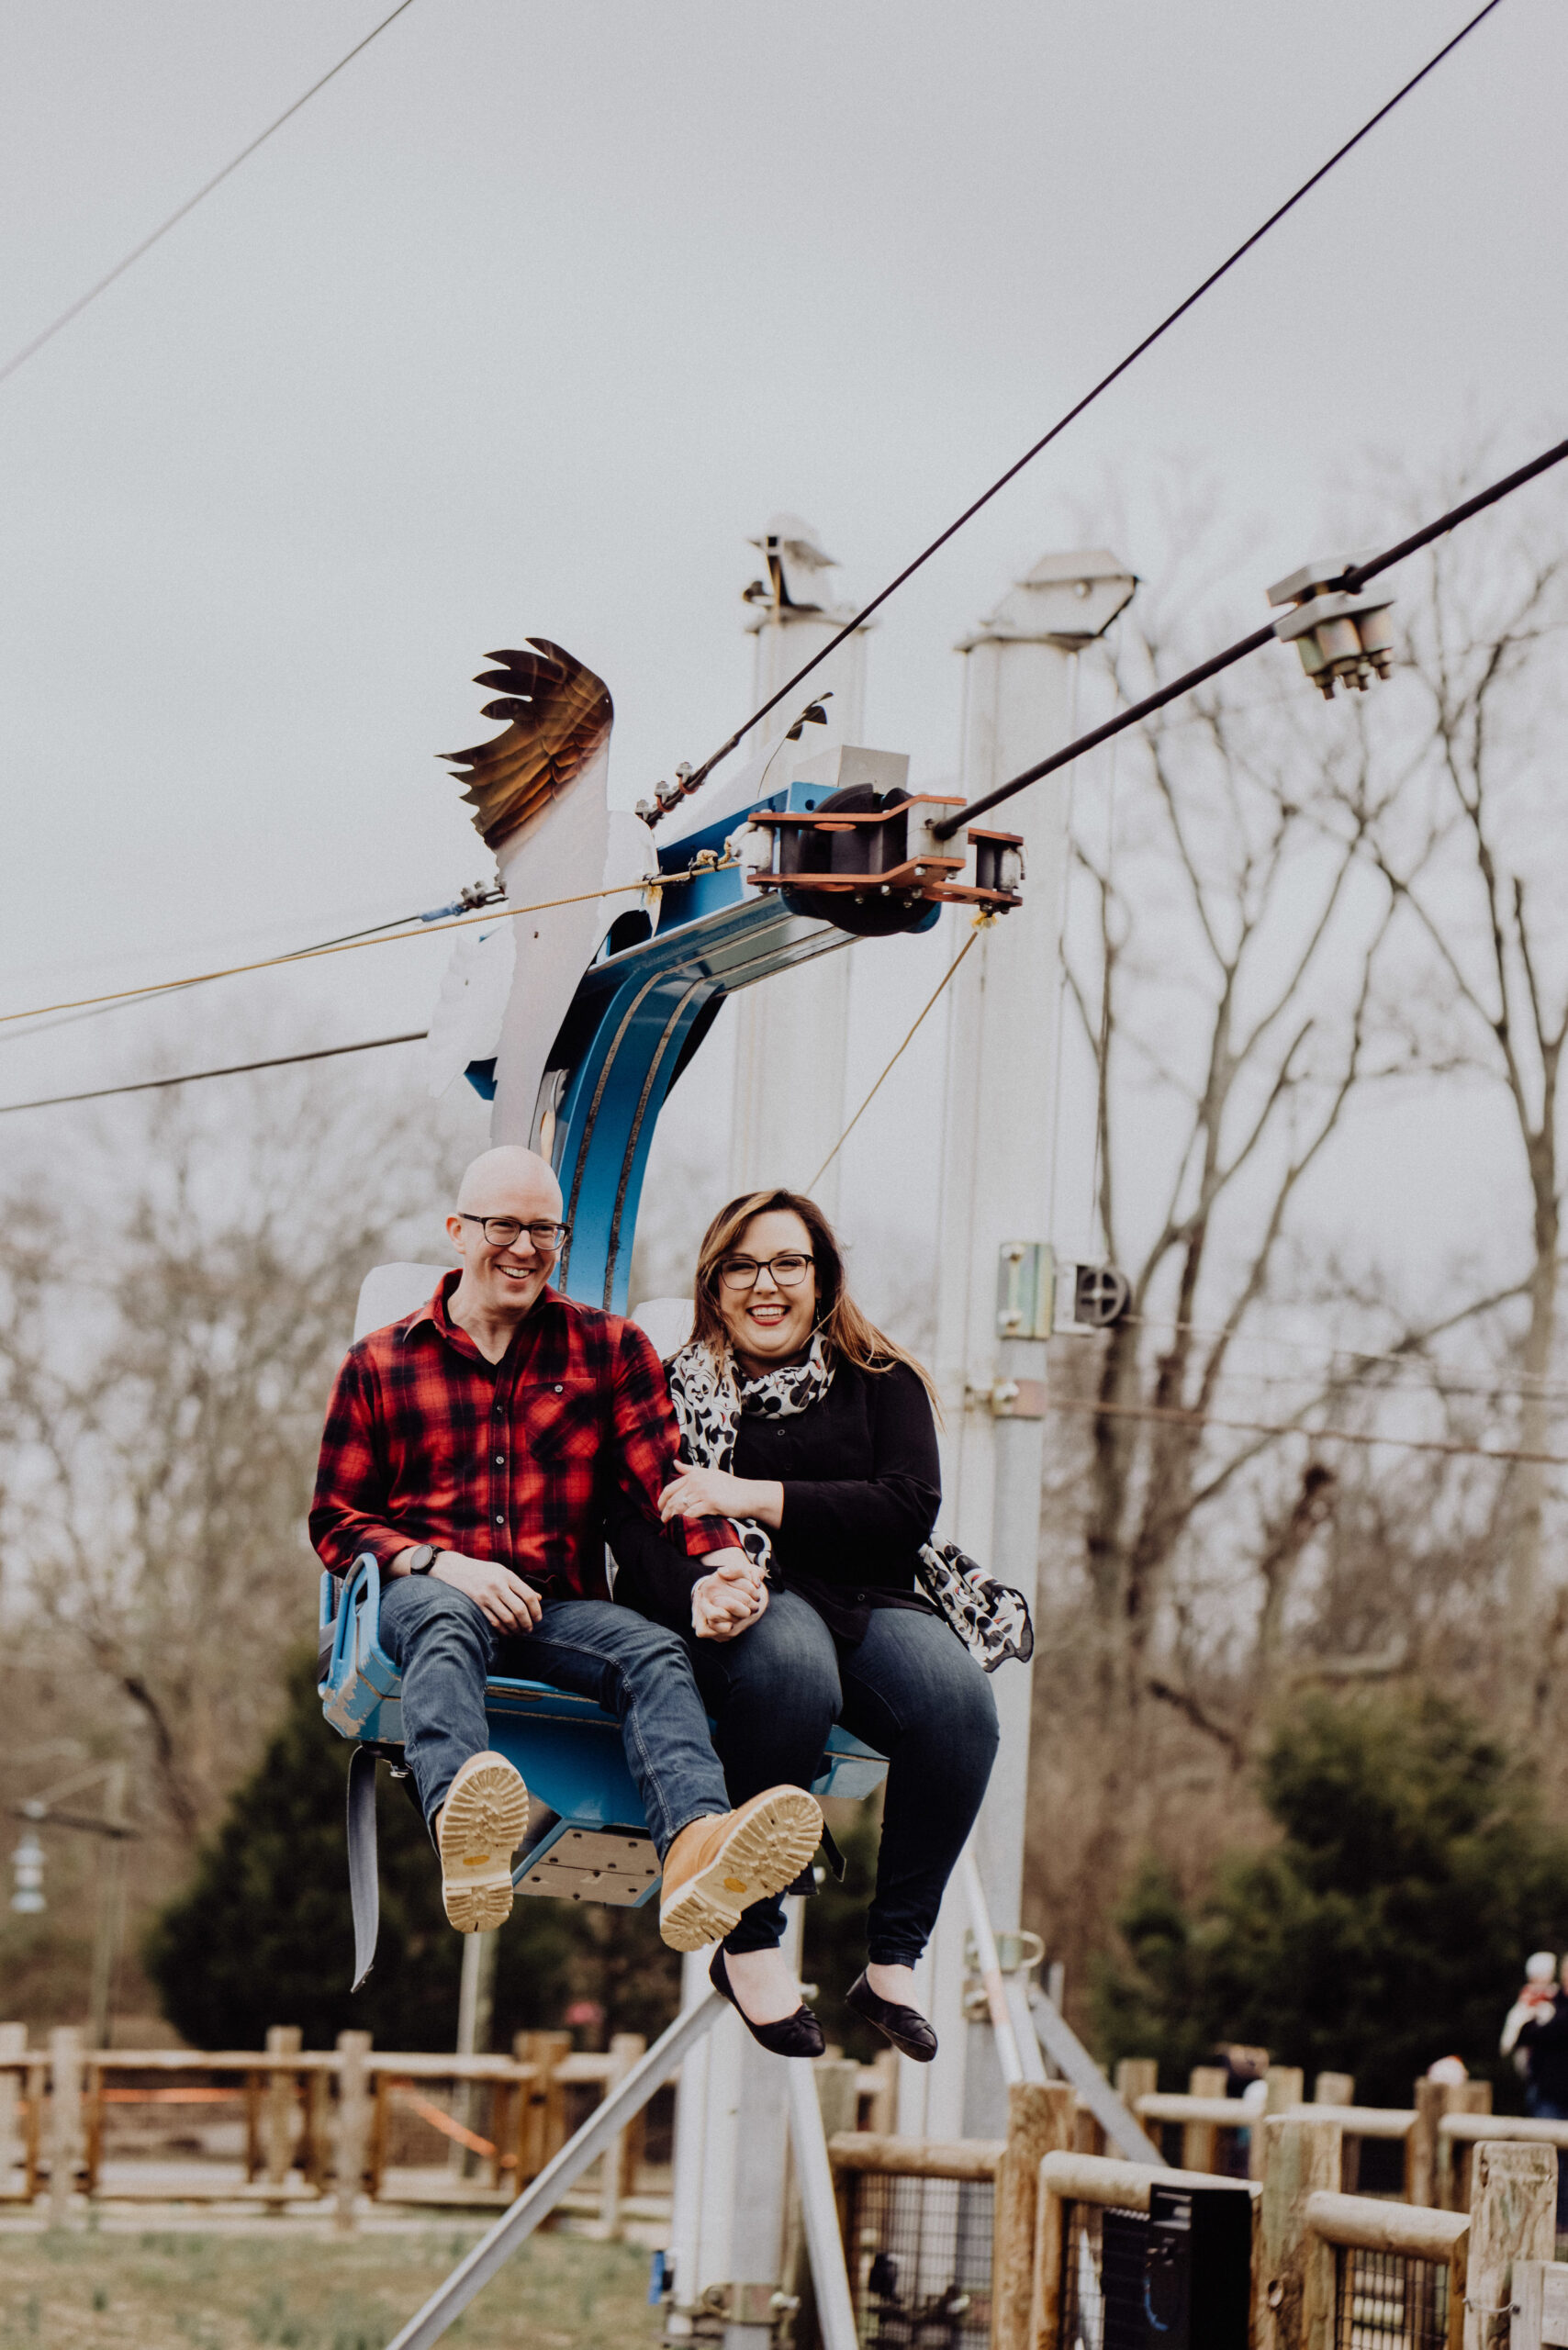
711, 1396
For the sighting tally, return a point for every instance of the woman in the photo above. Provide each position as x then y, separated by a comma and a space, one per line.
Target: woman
826, 1436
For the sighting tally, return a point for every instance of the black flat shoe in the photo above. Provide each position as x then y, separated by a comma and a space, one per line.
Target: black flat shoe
797, 2035
905, 2027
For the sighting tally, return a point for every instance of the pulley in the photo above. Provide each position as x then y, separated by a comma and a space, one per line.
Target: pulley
868, 862
1343, 638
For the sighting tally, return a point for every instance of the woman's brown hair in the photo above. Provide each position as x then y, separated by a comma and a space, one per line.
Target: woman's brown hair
845, 1329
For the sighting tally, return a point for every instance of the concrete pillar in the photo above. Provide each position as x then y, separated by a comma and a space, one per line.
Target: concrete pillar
996, 1175
727, 2220
792, 1031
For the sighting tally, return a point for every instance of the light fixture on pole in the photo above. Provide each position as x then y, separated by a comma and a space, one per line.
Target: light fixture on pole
27, 1867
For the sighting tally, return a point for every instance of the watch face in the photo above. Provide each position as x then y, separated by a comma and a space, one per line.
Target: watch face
424, 1558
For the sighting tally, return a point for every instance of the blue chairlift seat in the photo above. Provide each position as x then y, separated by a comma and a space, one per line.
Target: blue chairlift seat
589, 1839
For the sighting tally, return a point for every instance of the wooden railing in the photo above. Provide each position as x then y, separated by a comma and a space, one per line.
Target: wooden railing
317, 2125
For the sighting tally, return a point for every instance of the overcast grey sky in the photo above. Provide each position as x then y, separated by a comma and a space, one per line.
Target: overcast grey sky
534, 314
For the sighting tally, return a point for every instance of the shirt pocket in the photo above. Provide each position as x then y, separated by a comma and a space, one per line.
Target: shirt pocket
558, 1421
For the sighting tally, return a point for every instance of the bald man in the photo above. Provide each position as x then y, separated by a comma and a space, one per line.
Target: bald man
471, 1450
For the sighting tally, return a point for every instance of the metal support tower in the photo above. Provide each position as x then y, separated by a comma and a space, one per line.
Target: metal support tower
792, 1032
996, 1170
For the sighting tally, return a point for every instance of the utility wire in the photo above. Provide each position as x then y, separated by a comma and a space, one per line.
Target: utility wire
1300, 1428
344, 938
699, 775
19, 359
1353, 579
651, 883
235, 1069
981, 920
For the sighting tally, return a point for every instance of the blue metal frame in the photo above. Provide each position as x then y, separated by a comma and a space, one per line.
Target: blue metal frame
633, 1016
581, 1776
636, 1017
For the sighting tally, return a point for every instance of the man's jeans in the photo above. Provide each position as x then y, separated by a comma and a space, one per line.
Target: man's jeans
444, 1648
911, 1690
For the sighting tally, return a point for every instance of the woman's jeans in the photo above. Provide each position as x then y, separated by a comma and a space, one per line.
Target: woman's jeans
911, 1690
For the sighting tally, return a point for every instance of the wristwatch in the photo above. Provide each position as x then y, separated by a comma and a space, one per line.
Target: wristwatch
421, 1558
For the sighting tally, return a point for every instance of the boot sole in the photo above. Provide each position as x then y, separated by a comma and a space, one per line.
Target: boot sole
484, 1820
763, 1854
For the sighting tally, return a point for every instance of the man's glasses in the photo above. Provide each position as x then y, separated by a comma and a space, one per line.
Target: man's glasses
505, 1231
742, 1272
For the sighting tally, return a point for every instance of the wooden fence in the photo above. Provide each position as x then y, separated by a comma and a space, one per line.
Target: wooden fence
1327, 2268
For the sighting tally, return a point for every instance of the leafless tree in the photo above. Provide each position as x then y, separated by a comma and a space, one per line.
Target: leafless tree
1471, 851
174, 1301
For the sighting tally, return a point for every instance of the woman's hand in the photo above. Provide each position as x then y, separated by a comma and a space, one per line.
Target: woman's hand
713, 1493
729, 1599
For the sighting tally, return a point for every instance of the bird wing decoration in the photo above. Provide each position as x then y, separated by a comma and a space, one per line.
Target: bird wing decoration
561, 716
465, 1025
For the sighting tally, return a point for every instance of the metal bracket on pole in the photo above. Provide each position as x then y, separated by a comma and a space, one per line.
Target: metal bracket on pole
536, 2202
819, 2213
1066, 2051
1008, 2053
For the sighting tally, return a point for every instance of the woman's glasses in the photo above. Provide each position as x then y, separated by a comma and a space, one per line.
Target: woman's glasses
742, 1272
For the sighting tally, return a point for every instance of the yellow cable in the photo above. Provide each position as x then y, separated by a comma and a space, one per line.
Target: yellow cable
348, 946
982, 922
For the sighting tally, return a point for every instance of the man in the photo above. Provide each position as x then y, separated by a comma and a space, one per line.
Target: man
471, 1449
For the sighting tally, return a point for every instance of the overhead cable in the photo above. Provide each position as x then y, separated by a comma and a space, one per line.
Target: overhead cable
699, 775
19, 359
474, 896
981, 921
649, 885
1170, 1411
235, 1069
1352, 580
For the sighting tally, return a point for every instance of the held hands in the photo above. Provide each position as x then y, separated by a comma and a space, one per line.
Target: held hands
729, 1598
713, 1493
502, 1596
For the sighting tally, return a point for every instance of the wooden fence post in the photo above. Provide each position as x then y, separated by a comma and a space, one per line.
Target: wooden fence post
12, 2150
546, 2129
1200, 2139
625, 2047
282, 2040
1465, 2097
1512, 2216
1334, 2088
1040, 2121
1284, 2083
1430, 2099
354, 2125
1300, 2158
65, 2119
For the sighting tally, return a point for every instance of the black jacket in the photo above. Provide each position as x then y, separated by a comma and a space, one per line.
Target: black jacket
862, 1486
1548, 2043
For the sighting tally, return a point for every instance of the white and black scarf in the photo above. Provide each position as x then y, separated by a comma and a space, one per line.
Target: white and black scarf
711, 1397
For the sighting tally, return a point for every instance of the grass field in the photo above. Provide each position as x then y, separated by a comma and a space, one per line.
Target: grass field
153, 2292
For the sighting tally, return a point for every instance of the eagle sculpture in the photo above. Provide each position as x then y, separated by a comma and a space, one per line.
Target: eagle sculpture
561, 716
566, 858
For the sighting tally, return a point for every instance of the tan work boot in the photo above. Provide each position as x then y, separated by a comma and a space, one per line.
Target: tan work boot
477, 1829
717, 1867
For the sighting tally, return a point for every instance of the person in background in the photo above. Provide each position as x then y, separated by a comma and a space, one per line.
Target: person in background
1540, 1971
1543, 2037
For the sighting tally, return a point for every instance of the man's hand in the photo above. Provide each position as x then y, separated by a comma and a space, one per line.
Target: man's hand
502, 1598
729, 1598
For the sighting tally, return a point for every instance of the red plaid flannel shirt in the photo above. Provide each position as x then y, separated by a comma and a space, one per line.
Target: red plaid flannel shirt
426, 1441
